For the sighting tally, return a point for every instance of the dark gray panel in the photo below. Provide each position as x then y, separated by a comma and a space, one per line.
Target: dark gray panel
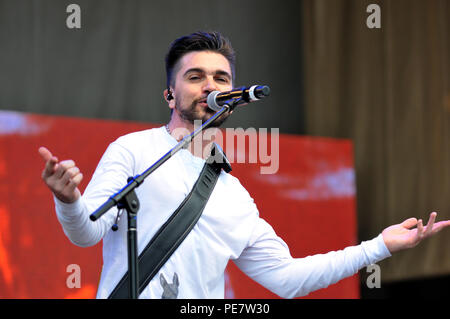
113, 67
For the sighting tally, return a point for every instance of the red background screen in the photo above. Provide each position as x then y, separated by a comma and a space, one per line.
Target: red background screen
309, 201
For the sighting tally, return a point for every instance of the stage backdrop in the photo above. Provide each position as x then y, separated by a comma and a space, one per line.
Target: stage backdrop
388, 90
310, 202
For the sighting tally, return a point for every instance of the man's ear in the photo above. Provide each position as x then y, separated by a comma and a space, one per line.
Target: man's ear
168, 96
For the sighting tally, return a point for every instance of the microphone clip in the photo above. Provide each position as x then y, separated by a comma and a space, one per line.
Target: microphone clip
232, 103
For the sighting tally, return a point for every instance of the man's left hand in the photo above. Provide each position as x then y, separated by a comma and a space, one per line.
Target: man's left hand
403, 236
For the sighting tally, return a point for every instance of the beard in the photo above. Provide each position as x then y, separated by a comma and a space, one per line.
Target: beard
194, 112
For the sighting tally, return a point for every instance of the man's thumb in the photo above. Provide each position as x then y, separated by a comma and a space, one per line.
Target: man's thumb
45, 153
410, 222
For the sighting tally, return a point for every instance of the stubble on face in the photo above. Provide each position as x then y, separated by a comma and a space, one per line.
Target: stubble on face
193, 113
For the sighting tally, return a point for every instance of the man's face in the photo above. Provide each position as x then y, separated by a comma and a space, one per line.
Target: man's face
199, 73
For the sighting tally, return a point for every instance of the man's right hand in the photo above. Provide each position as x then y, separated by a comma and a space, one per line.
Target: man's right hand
62, 177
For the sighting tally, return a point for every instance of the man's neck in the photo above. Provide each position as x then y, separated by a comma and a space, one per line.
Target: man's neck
200, 146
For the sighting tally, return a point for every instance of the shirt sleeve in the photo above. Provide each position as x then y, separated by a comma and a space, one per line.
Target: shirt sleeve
109, 177
267, 260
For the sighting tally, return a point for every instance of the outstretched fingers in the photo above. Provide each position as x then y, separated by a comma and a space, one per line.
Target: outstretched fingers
411, 232
429, 228
432, 226
437, 227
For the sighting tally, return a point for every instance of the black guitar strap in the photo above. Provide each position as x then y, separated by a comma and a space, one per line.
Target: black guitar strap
177, 227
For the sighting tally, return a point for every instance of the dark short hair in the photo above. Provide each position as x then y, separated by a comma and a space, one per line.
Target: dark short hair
198, 41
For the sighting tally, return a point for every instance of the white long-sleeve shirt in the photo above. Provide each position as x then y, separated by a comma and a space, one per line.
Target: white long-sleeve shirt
229, 228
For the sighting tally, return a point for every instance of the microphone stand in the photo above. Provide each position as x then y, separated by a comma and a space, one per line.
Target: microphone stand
126, 198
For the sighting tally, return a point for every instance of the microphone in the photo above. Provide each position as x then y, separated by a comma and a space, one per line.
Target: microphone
242, 95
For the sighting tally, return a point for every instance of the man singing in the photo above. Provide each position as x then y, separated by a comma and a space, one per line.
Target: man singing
229, 227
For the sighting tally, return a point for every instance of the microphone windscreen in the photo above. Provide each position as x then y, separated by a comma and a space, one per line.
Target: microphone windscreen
211, 100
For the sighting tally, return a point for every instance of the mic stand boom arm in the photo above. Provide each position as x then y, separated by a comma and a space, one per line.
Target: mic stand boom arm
126, 199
